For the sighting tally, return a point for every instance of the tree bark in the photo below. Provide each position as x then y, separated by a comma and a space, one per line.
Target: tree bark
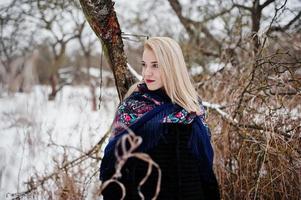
256, 17
103, 20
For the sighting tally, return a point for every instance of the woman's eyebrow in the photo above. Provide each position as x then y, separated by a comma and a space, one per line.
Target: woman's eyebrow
153, 62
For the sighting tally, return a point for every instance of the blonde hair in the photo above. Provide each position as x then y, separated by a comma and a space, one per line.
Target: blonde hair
176, 81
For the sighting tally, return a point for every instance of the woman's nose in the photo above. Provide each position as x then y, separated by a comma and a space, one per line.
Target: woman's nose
147, 71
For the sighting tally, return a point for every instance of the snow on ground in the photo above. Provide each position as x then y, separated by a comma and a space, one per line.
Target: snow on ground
28, 122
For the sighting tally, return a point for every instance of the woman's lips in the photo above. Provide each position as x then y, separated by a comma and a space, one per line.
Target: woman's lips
149, 81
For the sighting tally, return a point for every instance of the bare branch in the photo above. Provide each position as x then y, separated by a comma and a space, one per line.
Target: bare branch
265, 4
214, 16
288, 25
134, 72
242, 7
192, 26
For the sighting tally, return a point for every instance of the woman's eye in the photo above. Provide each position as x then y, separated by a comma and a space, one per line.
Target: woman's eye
143, 65
155, 65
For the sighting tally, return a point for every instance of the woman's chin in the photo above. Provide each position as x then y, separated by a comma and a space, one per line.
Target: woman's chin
151, 87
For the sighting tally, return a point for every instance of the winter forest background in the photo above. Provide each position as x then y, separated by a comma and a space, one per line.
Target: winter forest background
58, 93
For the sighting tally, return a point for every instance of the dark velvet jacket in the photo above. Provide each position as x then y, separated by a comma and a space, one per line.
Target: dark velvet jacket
182, 150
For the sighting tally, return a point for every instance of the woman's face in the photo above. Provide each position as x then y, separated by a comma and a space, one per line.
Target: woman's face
151, 72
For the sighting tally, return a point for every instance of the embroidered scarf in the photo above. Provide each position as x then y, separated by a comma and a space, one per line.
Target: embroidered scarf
143, 101
146, 112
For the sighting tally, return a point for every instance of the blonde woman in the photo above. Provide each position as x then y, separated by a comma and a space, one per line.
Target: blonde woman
166, 111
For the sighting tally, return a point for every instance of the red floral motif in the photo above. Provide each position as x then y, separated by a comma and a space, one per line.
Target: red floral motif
179, 114
127, 118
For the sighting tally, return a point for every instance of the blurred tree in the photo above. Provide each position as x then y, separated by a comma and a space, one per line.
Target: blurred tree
31, 23
13, 50
52, 18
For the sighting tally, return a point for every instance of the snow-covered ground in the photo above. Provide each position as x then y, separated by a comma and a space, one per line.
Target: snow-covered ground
29, 123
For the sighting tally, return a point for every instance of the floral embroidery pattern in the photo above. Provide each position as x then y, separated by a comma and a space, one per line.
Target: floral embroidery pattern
128, 112
184, 117
179, 117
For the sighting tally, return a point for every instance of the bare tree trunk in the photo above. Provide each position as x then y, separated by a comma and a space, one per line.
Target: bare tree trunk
53, 83
54, 76
102, 18
256, 17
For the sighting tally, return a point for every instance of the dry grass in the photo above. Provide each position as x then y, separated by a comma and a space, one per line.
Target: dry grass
258, 156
